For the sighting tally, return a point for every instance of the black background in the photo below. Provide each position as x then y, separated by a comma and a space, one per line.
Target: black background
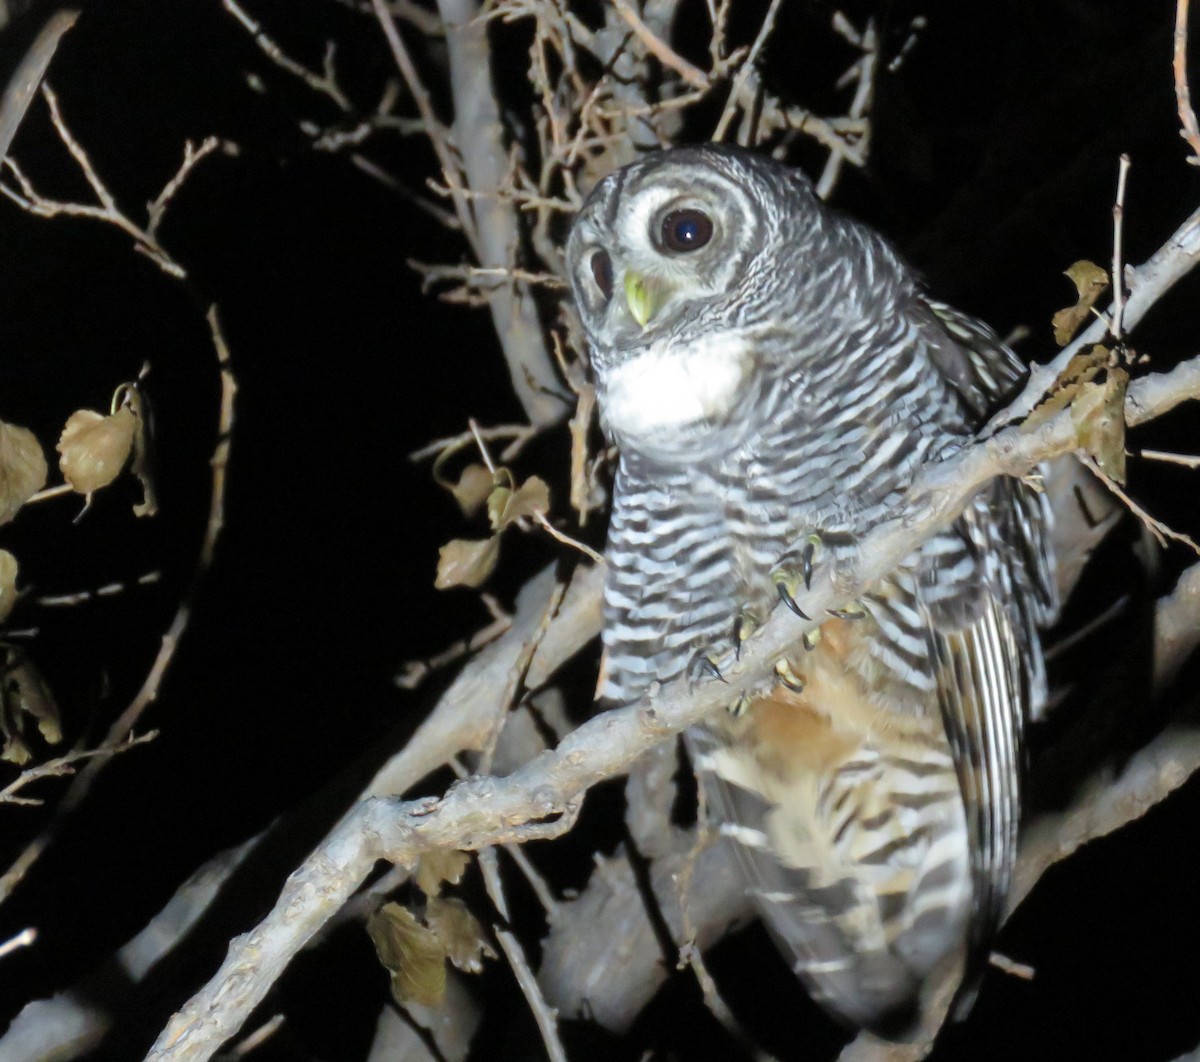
993, 167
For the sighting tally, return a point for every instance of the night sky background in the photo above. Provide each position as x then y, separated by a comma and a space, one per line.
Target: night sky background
993, 167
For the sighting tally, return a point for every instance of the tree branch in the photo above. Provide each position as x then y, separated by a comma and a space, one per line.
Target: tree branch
480, 138
28, 76
538, 800
1146, 285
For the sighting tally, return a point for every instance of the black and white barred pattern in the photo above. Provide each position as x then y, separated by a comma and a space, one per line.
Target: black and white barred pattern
792, 381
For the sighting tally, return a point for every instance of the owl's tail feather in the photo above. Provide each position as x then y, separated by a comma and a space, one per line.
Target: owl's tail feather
864, 887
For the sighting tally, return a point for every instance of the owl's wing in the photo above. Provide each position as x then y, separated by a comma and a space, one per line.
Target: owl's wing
986, 672
986, 585
972, 358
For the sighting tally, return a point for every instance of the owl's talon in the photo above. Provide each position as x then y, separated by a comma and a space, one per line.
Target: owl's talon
811, 638
786, 587
806, 559
853, 611
702, 667
739, 706
785, 674
745, 624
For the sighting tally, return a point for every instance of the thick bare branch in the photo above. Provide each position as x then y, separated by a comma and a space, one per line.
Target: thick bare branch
480, 137
535, 801
28, 76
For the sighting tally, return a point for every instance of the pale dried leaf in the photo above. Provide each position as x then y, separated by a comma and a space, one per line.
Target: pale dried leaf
23, 696
140, 466
22, 469
94, 447
1081, 369
466, 562
1098, 412
532, 497
507, 506
8, 583
412, 954
497, 504
460, 933
472, 489
442, 864
1090, 281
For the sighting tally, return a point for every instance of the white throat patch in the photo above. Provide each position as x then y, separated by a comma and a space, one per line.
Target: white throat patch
673, 385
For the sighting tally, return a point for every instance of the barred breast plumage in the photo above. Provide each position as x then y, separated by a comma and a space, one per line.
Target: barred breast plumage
773, 375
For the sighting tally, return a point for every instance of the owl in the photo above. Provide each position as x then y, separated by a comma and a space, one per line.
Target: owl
773, 376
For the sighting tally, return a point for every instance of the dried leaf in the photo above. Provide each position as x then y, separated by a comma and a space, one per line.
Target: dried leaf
532, 497
1098, 412
442, 864
412, 953
460, 933
140, 466
24, 695
497, 504
22, 469
472, 489
1090, 281
94, 448
466, 561
506, 506
8, 583
1082, 368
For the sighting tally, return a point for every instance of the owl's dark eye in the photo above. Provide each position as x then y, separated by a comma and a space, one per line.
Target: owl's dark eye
686, 230
602, 273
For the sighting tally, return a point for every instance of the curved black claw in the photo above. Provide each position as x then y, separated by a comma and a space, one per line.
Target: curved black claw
703, 666
745, 624
806, 559
785, 595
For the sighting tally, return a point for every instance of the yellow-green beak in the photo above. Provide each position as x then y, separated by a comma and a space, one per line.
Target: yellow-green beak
645, 296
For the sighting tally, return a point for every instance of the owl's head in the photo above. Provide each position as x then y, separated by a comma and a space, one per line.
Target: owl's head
677, 264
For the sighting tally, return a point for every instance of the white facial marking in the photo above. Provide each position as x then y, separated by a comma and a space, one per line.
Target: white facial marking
673, 385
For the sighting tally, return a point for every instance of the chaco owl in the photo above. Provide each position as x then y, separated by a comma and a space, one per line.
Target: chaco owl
773, 376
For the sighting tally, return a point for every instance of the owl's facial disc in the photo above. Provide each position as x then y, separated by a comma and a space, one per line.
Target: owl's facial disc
658, 256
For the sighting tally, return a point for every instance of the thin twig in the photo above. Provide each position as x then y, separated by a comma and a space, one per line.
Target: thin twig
1014, 969
62, 766
1157, 528
107, 590
516, 676
105, 209
566, 539
51, 492
324, 83
1187, 460
519, 434
1118, 278
865, 70
191, 156
741, 81
661, 51
413, 672
20, 940
1189, 129
544, 1014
